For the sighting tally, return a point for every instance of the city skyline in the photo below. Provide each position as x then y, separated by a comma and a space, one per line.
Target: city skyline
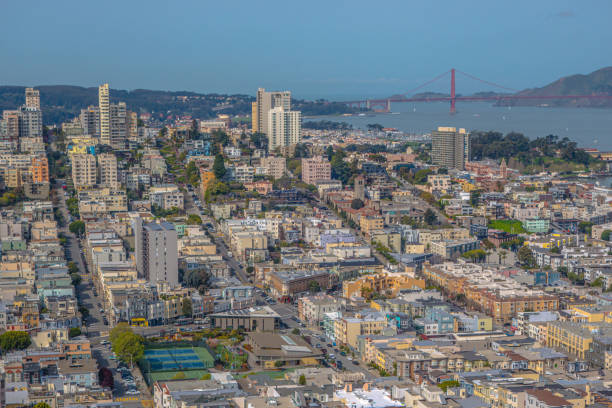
336, 51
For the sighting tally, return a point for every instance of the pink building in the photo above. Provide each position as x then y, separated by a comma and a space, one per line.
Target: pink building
315, 169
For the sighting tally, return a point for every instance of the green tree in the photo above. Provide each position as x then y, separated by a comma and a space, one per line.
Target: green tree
128, 347
295, 331
74, 332
430, 217
194, 219
76, 279
356, 204
278, 363
449, 384
605, 235
72, 268
525, 257
187, 307
77, 227
314, 286
14, 340
585, 227
302, 380
219, 166
118, 330
42, 405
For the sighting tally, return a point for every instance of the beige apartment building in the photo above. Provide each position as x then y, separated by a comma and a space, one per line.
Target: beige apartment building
107, 168
84, 171
315, 169
275, 166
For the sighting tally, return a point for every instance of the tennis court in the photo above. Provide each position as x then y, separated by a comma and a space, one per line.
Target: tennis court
178, 359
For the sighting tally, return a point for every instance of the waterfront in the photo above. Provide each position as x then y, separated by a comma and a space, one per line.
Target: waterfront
589, 127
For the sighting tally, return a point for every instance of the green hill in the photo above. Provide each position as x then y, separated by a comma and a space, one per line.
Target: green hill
597, 82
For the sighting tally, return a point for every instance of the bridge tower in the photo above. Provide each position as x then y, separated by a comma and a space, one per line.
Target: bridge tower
452, 93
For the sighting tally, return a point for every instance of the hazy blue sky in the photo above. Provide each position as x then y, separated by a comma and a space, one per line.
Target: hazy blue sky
314, 48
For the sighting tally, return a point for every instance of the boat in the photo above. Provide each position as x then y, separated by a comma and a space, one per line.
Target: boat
361, 114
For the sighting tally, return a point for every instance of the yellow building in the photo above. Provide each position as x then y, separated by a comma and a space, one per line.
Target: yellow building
371, 223
381, 283
391, 240
573, 338
347, 329
254, 117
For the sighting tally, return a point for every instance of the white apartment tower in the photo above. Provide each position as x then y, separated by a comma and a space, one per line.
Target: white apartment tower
104, 112
267, 101
284, 127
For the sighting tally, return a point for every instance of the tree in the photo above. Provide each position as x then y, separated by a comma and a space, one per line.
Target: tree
42, 405
605, 235
76, 279
314, 286
430, 217
295, 331
585, 227
187, 307
219, 166
194, 219
375, 127
74, 332
474, 198
356, 204
105, 378
72, 268
448, 384
118, 330
302, 380
14, 340
278, 363
77, 228
129, 347
525, 257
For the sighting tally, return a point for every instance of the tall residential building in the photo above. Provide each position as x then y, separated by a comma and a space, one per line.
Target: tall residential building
40, 169
107, 169
284, 127
265, 102
104, 111
254, 118
32, 98
90, 121
84, 172
359, 188
30, 122
450, 147
11, 124
315, 169
118, 126
156, 252
276, 167
132, 126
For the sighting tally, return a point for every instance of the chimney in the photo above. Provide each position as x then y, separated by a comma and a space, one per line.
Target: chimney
348, 387
366, 387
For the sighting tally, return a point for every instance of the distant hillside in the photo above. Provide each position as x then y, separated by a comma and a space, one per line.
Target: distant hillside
598, 82
63, 102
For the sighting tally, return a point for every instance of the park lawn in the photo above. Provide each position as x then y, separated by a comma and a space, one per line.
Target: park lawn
510, 226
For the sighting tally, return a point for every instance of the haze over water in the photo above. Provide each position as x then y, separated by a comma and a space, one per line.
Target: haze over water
589, 127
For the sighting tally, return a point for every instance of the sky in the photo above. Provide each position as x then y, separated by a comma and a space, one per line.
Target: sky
317, 49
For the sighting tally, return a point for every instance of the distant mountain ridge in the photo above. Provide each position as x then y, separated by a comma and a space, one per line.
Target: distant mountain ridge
61, 103
597, 82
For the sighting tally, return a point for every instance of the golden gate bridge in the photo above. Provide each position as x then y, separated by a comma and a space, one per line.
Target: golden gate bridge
384, 105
